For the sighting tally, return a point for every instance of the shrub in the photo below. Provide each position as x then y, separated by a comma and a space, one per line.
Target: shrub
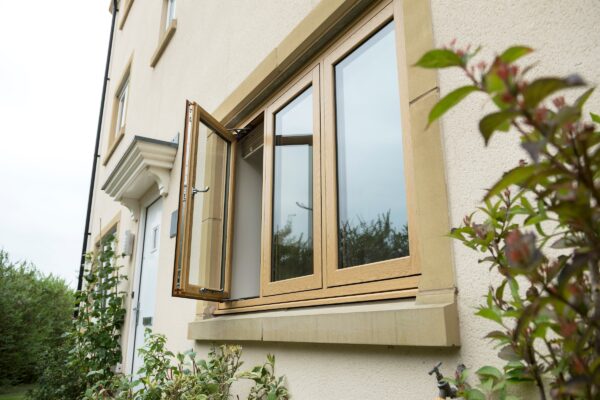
29, 299
540, 231
190, 378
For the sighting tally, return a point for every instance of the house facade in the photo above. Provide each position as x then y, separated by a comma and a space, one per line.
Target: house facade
268, 170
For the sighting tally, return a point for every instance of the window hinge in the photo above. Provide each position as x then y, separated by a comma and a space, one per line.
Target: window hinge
240, 132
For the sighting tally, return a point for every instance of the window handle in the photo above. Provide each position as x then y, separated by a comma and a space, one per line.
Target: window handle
196, 191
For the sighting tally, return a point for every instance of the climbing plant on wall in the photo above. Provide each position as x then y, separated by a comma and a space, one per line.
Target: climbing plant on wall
91, 348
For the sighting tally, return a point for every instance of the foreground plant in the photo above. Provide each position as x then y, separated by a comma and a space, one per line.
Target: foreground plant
185, 376
540, 230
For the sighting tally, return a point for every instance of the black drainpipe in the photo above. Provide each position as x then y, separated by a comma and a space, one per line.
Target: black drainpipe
86, 232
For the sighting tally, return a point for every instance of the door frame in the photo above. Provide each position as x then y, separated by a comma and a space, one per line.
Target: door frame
146, 201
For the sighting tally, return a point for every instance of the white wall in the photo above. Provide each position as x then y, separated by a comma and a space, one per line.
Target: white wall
218, 42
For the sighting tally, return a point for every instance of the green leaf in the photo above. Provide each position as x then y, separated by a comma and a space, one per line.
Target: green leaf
490, 314
474, 394
595, 117
497, 335
488, 371
507, 353
449, 101
494, 84
212, 387
514, 53
514, 291
515, 176
541, 88
439, 58
495, 121
581, 100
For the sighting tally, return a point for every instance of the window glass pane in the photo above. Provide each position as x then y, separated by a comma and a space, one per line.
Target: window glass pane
292, 249
170, 12
372, 214
122, 106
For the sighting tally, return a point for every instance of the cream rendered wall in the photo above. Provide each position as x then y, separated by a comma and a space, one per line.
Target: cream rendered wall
218, 42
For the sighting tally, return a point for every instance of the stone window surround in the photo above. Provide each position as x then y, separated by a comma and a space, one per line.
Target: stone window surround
428, 319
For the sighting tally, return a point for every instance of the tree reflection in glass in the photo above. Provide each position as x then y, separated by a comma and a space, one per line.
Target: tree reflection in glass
292, 248
372, 215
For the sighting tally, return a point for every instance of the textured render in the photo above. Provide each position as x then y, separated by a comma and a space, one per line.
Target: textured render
242, 33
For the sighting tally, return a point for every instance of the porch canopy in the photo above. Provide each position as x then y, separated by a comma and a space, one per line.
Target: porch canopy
146, 162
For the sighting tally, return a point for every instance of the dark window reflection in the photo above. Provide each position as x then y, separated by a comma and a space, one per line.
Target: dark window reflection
372, 214
292, 248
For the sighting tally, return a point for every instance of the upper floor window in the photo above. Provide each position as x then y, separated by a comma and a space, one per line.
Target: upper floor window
313, 203
170, 12
168, 26
122, 107
119, 112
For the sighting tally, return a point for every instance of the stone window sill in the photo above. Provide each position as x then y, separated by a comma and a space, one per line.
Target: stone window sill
395, 323
164, 41
125, 12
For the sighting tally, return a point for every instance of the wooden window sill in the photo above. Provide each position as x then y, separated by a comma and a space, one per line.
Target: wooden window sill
394, 323
164, 41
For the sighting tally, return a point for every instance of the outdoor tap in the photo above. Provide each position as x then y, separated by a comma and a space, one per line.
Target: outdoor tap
445, 390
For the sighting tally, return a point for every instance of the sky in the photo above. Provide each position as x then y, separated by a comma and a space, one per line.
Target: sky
52, 57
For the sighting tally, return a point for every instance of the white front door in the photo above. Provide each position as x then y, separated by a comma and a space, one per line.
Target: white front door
144, 298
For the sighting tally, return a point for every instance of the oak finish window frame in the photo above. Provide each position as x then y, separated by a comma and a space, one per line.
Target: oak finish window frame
195, 116
434, 285
119, 116
387, 269
397, 278
314, 280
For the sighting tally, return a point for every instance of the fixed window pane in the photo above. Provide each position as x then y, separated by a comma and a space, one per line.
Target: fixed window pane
372, 212
292, 247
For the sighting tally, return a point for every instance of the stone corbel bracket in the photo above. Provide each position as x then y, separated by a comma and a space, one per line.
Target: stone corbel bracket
146, 162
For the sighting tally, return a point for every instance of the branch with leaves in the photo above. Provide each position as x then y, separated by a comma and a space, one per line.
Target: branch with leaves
541, 226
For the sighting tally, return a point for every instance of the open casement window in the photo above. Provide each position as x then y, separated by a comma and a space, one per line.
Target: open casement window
202, 259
